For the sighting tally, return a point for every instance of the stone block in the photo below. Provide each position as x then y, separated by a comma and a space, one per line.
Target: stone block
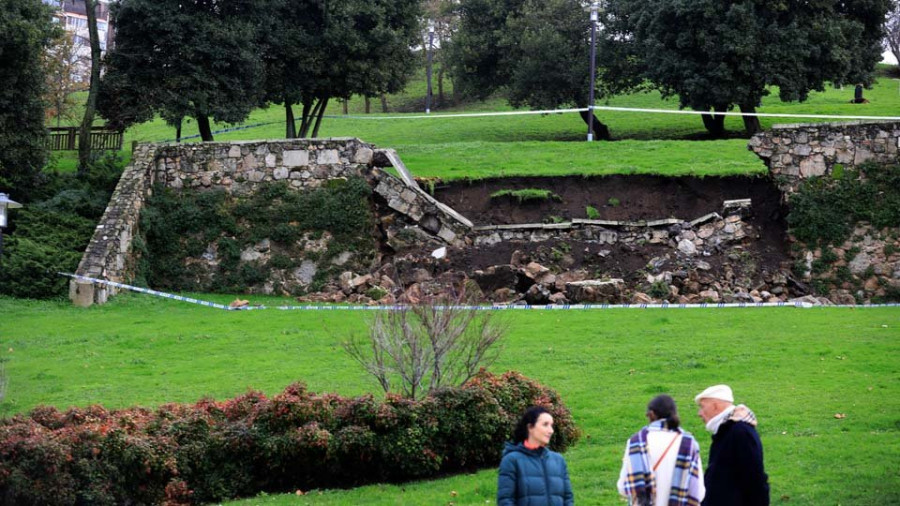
234, 152
81, 293
270, 160
328, 157
363, 155
862, 155
687, 247
280, 173
590, 291
296, 158
447, 235
812, 166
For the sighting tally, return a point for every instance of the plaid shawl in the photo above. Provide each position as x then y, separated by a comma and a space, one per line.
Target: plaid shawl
640, 482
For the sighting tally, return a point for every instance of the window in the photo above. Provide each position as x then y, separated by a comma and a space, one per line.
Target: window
76, 23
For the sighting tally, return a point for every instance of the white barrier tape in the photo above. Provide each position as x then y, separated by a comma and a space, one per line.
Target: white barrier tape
494, 307
620, 109
461, 115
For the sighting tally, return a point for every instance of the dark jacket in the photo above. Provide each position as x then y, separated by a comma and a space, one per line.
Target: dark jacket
533, 478
735, 475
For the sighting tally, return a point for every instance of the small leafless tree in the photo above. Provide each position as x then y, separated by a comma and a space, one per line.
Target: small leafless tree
419, 348
892, 30
3, 380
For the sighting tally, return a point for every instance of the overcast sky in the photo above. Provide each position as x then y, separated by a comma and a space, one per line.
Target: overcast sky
888, 57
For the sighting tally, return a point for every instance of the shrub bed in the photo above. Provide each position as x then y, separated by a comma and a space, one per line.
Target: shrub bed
210, 451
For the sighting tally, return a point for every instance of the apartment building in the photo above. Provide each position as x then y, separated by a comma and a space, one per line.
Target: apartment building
72, 16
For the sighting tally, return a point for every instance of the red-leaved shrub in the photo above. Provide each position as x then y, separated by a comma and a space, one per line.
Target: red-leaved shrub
210, 451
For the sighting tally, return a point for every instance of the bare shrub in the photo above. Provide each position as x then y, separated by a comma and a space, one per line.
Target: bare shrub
3, 380
416, 349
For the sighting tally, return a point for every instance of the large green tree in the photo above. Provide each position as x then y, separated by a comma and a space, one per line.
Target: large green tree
183, 58
536, 50
27, 30
315, 51
716, 55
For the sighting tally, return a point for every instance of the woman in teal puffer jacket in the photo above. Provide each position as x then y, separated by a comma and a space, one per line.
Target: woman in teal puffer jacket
530, 473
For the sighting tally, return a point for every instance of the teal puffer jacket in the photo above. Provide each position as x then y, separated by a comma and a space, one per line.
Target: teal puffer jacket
533, 478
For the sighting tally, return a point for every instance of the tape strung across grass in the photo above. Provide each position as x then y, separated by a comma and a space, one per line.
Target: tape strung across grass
500, 307
619, 109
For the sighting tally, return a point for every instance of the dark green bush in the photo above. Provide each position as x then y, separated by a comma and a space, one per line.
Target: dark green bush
50, 233
211, 451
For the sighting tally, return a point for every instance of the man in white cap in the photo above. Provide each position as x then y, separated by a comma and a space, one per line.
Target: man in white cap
735, 475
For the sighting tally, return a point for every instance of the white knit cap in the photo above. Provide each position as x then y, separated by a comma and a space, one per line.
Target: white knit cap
721, 392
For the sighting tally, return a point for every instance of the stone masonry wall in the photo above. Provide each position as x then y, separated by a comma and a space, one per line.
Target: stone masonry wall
799, 151
240, 168
866, 266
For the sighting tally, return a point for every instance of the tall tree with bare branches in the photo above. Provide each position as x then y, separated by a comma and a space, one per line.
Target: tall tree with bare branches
892, 29
90, 108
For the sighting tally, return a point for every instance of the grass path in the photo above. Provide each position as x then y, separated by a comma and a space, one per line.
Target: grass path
796, 368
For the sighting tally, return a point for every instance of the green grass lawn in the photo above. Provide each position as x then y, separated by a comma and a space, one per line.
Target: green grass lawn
796, 368
545, 145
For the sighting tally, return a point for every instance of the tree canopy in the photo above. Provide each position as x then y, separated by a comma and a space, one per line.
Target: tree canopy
536, 50
182, 58
314, 51
715, 55
28, 30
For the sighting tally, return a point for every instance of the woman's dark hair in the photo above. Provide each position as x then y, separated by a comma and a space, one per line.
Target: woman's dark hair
520, 433
663, 406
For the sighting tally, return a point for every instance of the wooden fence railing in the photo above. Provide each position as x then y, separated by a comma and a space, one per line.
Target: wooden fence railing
102, 138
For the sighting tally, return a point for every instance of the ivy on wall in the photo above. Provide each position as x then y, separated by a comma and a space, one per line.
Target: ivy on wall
825, 209
192, 240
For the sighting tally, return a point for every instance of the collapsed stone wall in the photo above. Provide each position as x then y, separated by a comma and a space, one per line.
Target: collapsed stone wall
800, 151
239, 169
707, 259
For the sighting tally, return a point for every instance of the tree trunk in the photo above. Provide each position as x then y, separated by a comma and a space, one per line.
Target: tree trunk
290, 131
178, 131
368, 104
84, 137
203, 124
751, 123
345, 103
310, 113
384, 105
715, 123
601, 131
304, 119
323, 103
440, 76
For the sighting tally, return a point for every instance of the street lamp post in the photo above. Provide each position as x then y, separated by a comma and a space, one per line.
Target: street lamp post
5, 204
429, 51
595, 10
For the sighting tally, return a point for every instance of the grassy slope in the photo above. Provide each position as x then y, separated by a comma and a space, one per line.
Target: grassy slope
552, 144
795, 368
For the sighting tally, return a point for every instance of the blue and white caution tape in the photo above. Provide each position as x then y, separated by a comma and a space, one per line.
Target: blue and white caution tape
494, 307
148, 291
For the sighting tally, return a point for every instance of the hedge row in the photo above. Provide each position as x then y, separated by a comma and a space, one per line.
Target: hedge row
210, 451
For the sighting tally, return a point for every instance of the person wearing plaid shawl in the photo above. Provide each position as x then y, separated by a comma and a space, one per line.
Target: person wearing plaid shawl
662, 466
